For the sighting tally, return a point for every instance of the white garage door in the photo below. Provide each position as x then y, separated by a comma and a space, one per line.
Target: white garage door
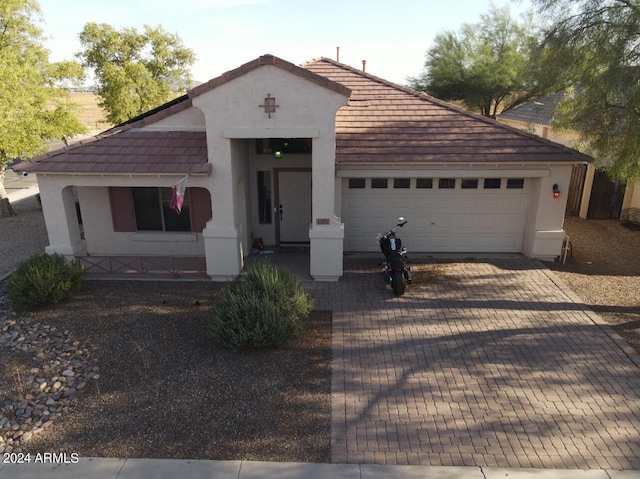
444, 214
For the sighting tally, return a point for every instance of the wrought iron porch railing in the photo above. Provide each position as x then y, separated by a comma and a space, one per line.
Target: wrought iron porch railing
139, 265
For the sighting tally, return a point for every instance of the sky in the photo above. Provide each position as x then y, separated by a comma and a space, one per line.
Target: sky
392, 36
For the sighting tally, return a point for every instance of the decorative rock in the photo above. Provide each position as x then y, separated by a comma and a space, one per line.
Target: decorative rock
63, 368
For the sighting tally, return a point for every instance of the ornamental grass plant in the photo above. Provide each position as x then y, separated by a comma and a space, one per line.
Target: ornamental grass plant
264, 308
44, 279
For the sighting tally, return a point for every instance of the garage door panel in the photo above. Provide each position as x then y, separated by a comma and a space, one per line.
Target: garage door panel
366, 202
439, 221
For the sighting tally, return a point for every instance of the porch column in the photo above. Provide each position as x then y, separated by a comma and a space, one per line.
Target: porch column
59, 208
223, 234
326, 232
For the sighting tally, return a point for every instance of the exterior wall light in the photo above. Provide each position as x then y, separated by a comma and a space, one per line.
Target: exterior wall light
556, 191
277, 154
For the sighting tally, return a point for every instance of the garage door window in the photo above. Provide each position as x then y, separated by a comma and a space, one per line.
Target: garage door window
469, 184
446, 183
401, 183
492, 183
515, 183
424, 183
379, 183
356, 183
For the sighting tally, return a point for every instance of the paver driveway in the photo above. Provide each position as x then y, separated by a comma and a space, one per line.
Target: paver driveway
495, 364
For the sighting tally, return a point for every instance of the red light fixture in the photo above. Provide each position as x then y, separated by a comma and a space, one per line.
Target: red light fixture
556, 191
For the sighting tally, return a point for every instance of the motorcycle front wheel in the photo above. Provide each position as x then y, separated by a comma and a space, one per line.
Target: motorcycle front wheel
397, 282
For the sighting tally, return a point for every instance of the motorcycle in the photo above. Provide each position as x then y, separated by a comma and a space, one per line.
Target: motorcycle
395, 269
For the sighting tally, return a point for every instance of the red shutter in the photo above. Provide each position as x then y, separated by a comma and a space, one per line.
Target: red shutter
122, 209
200, 208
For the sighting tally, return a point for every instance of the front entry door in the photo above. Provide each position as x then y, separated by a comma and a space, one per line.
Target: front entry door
294, 206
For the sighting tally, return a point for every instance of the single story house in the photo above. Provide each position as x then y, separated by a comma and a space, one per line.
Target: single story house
321, 154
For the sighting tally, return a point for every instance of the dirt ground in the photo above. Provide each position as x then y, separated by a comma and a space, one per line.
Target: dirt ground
167, 391
604, 270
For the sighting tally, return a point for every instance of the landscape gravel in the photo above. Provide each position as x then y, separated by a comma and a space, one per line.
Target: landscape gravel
43, 385
167, 391
604, 271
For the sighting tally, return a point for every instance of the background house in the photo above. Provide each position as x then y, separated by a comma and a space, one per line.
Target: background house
322, 155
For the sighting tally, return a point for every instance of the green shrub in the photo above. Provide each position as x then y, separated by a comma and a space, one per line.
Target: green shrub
43, 279
264, 308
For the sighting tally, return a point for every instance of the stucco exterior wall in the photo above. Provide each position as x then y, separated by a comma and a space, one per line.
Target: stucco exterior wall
191, 119
545, 219
102, 240
631, 203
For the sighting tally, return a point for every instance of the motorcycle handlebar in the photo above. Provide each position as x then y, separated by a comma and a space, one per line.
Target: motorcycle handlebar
392, 231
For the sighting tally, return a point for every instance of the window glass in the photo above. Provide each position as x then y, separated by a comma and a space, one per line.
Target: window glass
268, 146
515, 183
174, 221
424, 183
492, 183
401, 182
356, 183
264, 197
446, 183
146, 205
469, 184
379, 182
153, 213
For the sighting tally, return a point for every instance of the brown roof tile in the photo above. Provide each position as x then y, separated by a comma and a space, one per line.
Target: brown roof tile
129, 151
277, 62
382, 123
387, 123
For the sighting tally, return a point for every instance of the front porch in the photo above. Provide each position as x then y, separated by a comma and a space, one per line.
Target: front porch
295, 259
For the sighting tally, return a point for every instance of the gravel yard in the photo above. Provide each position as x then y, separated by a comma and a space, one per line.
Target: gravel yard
604, 271
166, 391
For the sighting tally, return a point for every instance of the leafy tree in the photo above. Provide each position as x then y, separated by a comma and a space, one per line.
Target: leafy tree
486, 65
136, 71
593, 46
34, 106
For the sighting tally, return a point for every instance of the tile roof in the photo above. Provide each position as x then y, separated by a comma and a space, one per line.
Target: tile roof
539, 111
388, 123
382, 123
129, 151
156, 152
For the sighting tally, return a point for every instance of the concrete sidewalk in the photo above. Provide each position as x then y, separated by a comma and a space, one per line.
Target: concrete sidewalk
102, 468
